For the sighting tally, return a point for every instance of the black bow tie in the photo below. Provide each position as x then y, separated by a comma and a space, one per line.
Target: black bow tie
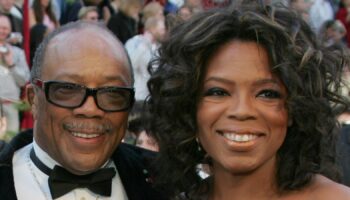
61, 181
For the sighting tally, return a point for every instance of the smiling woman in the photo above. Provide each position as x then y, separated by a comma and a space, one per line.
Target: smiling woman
241, 110
249, 91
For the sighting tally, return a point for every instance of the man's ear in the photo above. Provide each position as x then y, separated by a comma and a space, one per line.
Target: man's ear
32, 99
30, 94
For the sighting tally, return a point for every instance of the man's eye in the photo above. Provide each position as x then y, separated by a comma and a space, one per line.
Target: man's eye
68, 87
216, 92
270, 94
64, 88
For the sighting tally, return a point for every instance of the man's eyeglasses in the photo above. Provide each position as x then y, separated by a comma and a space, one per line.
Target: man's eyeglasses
71, 95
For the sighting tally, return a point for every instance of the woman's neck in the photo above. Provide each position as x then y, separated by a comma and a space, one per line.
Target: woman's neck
258, 184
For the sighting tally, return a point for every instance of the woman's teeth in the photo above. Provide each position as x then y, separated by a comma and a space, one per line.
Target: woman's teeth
240, 137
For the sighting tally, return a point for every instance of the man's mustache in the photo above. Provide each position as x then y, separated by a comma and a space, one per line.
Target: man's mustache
87, 127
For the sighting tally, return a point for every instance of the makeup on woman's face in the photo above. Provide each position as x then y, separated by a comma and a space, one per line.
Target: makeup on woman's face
242, 117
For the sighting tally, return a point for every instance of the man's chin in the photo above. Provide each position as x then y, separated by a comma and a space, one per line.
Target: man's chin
82, 170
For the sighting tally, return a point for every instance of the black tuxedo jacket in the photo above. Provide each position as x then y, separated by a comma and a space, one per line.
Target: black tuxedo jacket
132, 163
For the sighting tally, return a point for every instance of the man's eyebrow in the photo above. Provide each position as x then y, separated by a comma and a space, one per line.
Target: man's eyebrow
79, 77
69, 76
116, 78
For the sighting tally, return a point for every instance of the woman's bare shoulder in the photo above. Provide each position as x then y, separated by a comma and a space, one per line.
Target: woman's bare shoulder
323, 188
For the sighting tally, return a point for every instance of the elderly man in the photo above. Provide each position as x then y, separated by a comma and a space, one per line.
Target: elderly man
81, 93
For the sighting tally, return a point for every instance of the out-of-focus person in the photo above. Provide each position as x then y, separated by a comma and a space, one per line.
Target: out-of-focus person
185, 12
137, 123
195, 5
343, 15
302, 7
320, 12
14, 73
37, 34
153, 9
14, 13
146, 141
141, 49
332, 34
124, 24
41, 12
88, 13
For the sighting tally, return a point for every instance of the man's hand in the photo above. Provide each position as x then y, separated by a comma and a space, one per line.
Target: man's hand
7, 57
15, 38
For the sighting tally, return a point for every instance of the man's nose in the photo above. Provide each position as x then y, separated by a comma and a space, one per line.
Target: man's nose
89, 108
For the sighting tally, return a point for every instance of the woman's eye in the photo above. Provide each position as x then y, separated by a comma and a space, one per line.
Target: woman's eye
270, 94
216, 92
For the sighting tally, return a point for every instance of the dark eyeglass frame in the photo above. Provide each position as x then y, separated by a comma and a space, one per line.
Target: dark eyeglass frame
45, 85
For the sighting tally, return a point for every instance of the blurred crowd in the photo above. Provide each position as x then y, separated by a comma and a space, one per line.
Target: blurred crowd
141, 26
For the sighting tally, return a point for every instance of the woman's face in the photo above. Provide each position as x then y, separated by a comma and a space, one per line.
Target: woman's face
44, 3
241, 116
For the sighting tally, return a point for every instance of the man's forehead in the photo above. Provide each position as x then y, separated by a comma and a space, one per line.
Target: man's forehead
73, 44
88, 37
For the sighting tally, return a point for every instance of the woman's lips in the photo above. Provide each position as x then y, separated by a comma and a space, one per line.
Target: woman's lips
241, 140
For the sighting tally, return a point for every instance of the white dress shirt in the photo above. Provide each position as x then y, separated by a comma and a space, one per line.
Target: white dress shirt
31, 182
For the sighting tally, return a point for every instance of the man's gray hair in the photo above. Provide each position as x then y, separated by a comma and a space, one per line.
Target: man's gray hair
40, 52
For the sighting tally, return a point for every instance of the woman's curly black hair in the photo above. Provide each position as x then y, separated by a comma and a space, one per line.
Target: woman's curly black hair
310, 72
